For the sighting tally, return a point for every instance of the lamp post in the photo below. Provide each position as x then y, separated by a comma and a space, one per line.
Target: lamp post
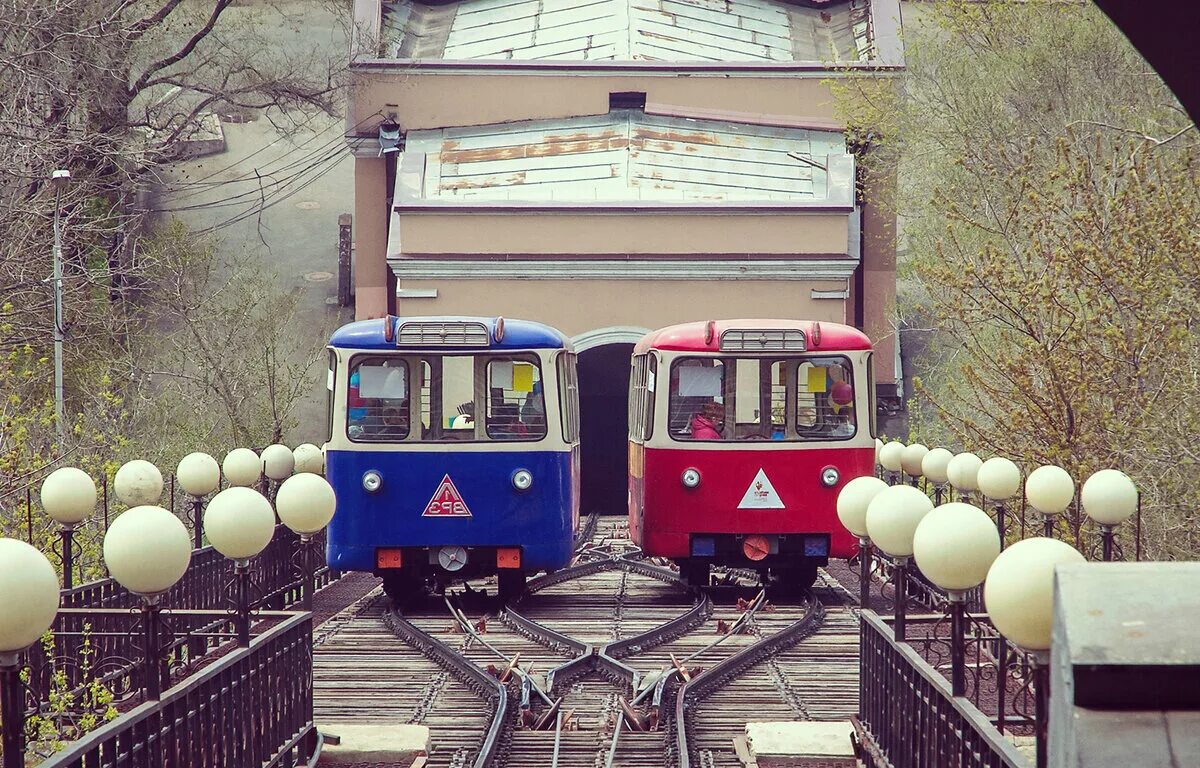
138, 483
199, 475
954, 545
1049, 490
69, 497
910, 461
241, 467
852, 504
147, 550
934, 466
892, 519
999, 480
59, 179
1110, 498
239, 523
308, 458
963, 473
890, 458
1019, 595
306, 504
29, 594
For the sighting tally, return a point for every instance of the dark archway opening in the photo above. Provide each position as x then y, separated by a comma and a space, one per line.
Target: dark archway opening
604, 427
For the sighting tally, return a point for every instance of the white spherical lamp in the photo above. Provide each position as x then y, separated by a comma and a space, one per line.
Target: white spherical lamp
963, 472
954, 546
1109, 497
241, 467
1019, 591
239, 523
308, 458
852, 503
278, 462
999, 479
1049, 489
198, 474
138, 483
29, 594
147, 550
934, 465
68, 495
912, 457
891, 456
893, 516
306, 503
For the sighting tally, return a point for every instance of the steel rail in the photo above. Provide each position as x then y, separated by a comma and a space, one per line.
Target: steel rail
467, 672
732, 666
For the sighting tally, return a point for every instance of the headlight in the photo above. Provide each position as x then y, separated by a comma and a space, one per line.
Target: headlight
372, 481
830, 477
691, 477
522, 480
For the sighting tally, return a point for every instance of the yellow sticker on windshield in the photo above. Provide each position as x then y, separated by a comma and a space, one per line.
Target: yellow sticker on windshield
816, 379
522, 377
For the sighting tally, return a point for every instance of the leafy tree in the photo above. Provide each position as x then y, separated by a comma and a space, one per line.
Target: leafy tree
1050, 233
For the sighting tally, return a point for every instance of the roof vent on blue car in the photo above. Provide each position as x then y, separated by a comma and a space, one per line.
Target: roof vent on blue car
443, 333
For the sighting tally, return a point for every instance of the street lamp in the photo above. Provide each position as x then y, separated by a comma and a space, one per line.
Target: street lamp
147, 550
1110, 498
199, 475
138, 483
852, 504
934, 467
1019, 596
1049, 490
29, 594
308, 458
892, 519
910, 460
306, 504
59, 180
242, 467
963, 474
999, 480
239, 523
69, 496
278, 462
890, 458
954, 546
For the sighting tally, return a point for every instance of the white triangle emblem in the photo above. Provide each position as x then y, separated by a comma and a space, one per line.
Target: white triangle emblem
446, 502
761, 494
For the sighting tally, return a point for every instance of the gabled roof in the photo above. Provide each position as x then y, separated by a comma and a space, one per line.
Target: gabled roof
628, 30
625, 156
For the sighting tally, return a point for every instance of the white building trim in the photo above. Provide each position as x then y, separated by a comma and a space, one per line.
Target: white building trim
615, 334
616, 269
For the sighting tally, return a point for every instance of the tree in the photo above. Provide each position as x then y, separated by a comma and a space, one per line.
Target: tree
1048, 194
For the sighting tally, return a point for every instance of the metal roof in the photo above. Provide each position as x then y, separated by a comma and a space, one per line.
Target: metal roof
625, 30
518, 334
625, 155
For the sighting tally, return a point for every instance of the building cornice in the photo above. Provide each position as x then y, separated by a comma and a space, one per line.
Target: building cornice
587, 269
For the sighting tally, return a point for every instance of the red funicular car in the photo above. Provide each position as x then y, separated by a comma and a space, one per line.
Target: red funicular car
742, 432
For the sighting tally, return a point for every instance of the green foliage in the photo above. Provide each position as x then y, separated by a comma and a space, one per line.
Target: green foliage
1050, 221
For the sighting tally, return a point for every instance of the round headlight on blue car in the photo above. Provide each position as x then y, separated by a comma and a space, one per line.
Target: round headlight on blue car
372, 481
522, 480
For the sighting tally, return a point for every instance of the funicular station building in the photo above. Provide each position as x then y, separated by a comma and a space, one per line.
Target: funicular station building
613, 166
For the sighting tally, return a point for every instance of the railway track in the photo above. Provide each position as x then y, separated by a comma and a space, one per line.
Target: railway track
611, 662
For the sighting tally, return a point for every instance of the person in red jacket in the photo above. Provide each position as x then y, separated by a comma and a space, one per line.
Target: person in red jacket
709, 422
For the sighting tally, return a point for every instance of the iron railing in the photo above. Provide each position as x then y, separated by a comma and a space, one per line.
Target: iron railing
253, 706
910, 718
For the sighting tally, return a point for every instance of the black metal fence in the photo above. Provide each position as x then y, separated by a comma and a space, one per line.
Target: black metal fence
250, 707
909, 716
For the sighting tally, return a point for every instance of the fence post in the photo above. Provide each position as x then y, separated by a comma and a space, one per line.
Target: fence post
345, 239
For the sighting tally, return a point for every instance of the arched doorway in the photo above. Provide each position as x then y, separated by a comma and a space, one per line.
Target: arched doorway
603, 417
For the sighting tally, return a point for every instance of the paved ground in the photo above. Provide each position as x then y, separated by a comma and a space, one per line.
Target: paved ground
296, 236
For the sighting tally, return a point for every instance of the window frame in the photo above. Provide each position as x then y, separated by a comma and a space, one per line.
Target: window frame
481, 360
791, 365
356, 361
568, 396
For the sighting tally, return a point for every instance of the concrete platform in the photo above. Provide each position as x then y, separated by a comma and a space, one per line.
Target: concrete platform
809, 744
390, 743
